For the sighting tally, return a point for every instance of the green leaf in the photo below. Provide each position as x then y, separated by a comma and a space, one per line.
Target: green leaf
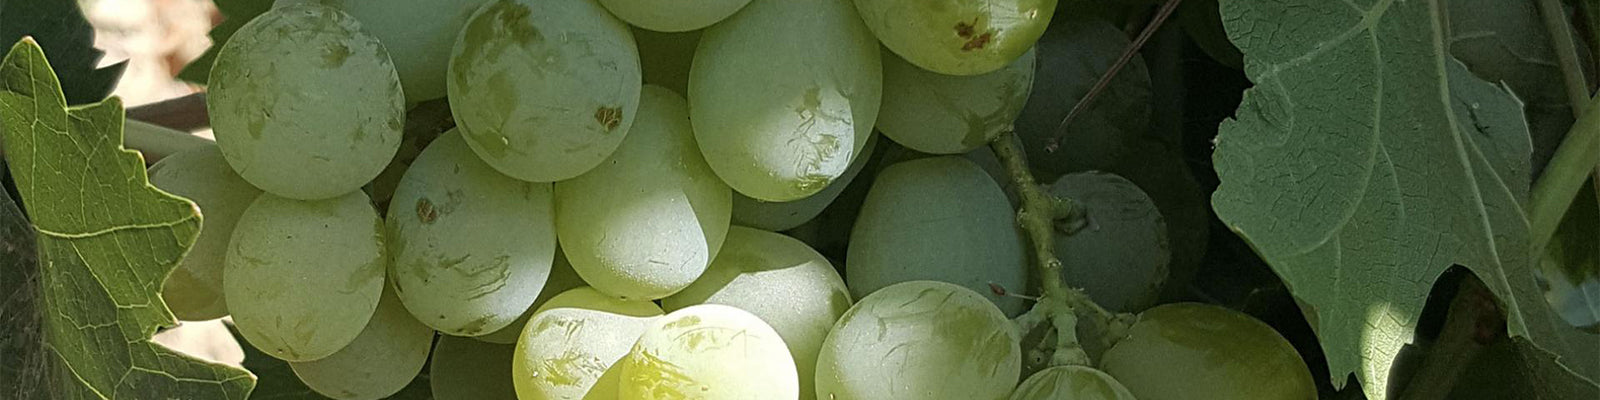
277, 381
60, 28
106, 242
236, 13
1364, 163
1505, 41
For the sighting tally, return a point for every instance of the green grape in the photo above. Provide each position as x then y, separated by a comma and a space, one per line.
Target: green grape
304, 104
467, 369
544, 90
645, 223
194, 289
665, 58
303, 277
938, 218
757, 265
382, 360
783, 96
571, 345
1072, 56
562, 278
418, 34
786, 215
673, 16
471, 247
958, 37
920, 340
709, 352
1120, 256
1074, 382
945, 114
1198, 351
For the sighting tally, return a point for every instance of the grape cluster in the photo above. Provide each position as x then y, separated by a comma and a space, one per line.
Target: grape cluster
660, 145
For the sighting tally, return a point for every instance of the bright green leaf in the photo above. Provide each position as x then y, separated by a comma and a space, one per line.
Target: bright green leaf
236, 13
59, 27
1364, 163
106, 241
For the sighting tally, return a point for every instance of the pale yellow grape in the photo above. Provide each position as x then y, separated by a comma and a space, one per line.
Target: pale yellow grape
562, 278
382, 360
418, 33
304, 104
645, 223
948, 114
783, 281
472, 248
783, 95
920, 340
194, 289
544, 90
570, 346
673, 16
467, 369
958, 37
1071, 382
303, 277
709, 352
785, 215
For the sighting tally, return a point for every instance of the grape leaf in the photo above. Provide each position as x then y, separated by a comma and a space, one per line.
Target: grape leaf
276, 380
1505, 41
235, 14
59, 27
1364, 163
106, 241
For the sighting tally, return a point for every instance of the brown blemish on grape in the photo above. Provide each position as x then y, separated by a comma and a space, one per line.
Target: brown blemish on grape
608, 117
425, 211
975, 40
334, 55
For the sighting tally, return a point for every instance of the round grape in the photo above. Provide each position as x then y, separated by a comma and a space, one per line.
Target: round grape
785, 215
709, 352
194, 289
418, 34
1120, 256
673, 16
1198, 351
562, 278
1074, 382
958, 37
946, 114
383, 359
571, 346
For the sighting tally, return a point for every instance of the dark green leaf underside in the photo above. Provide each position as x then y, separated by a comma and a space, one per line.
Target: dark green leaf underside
59, 27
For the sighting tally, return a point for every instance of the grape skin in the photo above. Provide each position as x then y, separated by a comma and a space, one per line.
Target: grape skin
386, 356
958, 37
755, 268
709, 352
1120, 259
944, 114
1071, 382
570, 347
562, 278
419, 35
673, 16
1199, 351
304, 104
544, 90
783, 95
467, 369
647, 222
786, 215
304, 277
194, 289
471, 247
939, 218
920, 340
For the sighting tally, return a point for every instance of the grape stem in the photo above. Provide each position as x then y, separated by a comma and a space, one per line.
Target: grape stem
187, 113
1060, 304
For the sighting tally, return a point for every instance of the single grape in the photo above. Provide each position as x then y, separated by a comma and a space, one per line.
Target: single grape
786, 215
467, 369
471, 247
1199, 352
303, 277
383, 359
753, 268
194, 289
920, 340
665, 58
673, 16
544, 90
1074, 382
958, 37
645, 223
304, 104
1072, 56
783, 96
938, 218
562, 278
571, 345
1119, 257
946, 114
418, 34
709, 352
